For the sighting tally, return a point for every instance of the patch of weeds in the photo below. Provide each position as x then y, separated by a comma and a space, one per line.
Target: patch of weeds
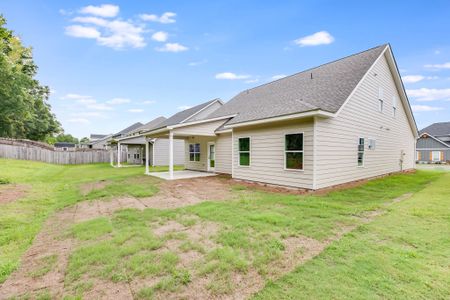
82, 287
175, 236
221, 284
44, 295
45, 265
192, 246
4, 180
174, 281
224, 259
238, 187
136, 189
91, 229
145, 293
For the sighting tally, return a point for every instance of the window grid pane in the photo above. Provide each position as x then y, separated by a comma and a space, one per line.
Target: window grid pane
294, 160
244, 144
194, 152
294, 141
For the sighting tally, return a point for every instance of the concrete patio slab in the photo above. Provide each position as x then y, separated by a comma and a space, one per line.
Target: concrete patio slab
181, 174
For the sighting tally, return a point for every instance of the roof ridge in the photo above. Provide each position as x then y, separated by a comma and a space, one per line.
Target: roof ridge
312, 68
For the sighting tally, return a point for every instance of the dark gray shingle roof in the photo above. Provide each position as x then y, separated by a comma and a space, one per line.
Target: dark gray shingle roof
94, 136
325, 87
183, 115
437, 129
150, 125
129, 129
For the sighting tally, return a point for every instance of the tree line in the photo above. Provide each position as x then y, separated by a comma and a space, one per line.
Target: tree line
24, 108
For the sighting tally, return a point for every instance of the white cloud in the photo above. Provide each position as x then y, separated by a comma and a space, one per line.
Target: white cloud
412, 78
437, 52
160, 36
417, 78
231, 76
104, 10
421, 108
135, 110
116, 101
438, 66
252, 80
318, 38
165, 18
197, 63
183, 107
79, 121
87, 114
99, 106
82, 32
279, 76
172, 47
75, 97
425, 94
148, 102
116, 34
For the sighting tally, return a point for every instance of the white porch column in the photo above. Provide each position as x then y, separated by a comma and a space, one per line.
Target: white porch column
171, 155
119, 154
147, 156
111, 157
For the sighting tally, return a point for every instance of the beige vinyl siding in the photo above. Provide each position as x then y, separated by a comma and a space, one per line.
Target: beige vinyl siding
223, 153
197, 165
206, 129
206, 112
267, 155
161, 149
337, 138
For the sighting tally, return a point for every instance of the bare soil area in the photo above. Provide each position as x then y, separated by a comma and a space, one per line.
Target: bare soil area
12, 192
52, 242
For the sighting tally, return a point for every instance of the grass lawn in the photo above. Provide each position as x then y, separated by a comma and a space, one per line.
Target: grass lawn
248, 244
52, 187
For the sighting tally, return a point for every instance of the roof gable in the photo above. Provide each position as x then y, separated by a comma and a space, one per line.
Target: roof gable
437, 129
186, 114
325, 88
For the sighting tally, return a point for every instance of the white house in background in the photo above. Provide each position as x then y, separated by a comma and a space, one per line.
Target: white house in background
134, 143
343, 121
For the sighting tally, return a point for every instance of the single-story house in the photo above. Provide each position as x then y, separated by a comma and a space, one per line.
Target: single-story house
343, 121
433, 144
97, 141
65, 146
135, 144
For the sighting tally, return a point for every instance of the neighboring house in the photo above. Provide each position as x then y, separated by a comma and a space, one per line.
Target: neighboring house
433, 144
340, 122
100, 143
135, 144
64, 146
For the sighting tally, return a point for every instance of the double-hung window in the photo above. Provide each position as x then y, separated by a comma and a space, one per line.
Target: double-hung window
194, 152
394, 106
436, 155
360, 152
293, 151
244, 151
380, 99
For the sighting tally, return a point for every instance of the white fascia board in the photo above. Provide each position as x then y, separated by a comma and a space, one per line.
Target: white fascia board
318, 113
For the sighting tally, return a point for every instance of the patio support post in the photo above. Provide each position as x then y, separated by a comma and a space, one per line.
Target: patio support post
111, 157
119, 154
147, 156
171, 155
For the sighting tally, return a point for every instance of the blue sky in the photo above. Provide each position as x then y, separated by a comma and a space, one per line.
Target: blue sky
113, 63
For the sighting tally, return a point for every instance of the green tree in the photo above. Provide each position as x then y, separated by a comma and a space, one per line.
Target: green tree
84, 140
24, 107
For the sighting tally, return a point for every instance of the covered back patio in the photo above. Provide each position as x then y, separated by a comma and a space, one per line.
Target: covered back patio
199, 150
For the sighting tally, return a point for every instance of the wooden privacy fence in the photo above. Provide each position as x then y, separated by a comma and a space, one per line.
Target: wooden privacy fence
30, 150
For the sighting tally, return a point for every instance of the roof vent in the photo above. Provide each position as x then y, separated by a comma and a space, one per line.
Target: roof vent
311, 76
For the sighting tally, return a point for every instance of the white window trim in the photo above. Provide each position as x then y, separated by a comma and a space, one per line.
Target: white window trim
297, 151
394, 106
249, 152
432, 156
199, 152
380, 99
363, 152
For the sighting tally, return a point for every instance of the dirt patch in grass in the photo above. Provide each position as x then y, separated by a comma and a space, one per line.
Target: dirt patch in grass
12, 192
88, 187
